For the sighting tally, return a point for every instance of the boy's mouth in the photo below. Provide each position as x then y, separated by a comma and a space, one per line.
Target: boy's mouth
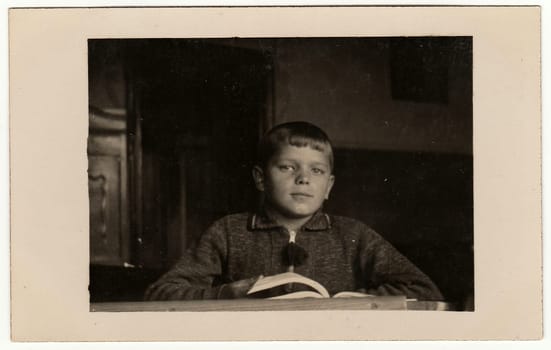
301, 194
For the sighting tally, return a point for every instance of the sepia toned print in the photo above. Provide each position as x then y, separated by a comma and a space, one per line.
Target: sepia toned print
80, 233
400, 113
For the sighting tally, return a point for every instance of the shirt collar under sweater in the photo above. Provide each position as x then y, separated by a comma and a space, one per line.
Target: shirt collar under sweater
261, 221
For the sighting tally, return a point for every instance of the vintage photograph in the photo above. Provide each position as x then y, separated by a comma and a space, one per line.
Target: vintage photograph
297, 173
220, 174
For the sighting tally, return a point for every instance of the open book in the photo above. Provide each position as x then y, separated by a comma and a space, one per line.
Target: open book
281, 279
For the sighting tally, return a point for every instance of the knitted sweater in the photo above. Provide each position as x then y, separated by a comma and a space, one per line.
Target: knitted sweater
343, 255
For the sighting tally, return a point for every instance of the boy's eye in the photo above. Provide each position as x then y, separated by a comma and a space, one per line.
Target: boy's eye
286, 167
318, 171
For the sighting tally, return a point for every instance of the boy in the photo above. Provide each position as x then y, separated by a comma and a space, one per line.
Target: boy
294, 174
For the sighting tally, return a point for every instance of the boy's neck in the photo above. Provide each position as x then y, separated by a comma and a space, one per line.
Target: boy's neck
290, 224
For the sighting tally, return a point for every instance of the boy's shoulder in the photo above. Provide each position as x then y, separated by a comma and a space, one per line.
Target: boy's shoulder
346, 221
233, 219
351, 226
228, 225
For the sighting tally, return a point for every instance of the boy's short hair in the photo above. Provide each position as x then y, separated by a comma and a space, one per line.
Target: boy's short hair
299, 134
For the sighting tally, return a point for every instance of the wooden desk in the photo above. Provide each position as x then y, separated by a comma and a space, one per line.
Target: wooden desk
378, 303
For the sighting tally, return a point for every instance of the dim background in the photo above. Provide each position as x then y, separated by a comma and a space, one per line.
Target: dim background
174, 125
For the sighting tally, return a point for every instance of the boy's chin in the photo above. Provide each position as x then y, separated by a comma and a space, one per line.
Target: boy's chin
299, 214
293, 213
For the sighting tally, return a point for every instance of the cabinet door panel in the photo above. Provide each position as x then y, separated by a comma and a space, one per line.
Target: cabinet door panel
104, 180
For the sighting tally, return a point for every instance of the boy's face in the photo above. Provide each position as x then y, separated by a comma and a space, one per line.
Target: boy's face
295, 181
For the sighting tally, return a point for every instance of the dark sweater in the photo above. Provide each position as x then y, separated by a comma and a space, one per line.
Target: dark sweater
343, 255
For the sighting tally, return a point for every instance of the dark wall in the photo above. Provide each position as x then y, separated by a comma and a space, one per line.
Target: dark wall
379, 93
107, 85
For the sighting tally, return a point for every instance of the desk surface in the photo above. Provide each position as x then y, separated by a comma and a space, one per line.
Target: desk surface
377, 303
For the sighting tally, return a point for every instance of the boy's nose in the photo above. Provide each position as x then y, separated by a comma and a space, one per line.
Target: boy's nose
302, 179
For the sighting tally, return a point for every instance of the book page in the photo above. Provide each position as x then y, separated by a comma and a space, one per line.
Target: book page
298, 295
348, 294
285, 278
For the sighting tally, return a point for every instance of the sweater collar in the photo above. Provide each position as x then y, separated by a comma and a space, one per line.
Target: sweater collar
261, 221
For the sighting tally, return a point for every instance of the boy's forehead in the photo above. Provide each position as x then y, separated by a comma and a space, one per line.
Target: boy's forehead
302, 152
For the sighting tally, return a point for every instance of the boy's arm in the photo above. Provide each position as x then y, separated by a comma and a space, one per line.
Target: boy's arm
390, 273
193, 276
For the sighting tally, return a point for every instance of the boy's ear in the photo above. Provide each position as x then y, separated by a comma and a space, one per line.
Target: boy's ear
329, 186
258, 177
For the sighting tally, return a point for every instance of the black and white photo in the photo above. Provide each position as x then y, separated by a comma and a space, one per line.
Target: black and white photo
174, 130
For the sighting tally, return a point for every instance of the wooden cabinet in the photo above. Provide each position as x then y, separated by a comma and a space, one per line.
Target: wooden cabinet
108, 194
